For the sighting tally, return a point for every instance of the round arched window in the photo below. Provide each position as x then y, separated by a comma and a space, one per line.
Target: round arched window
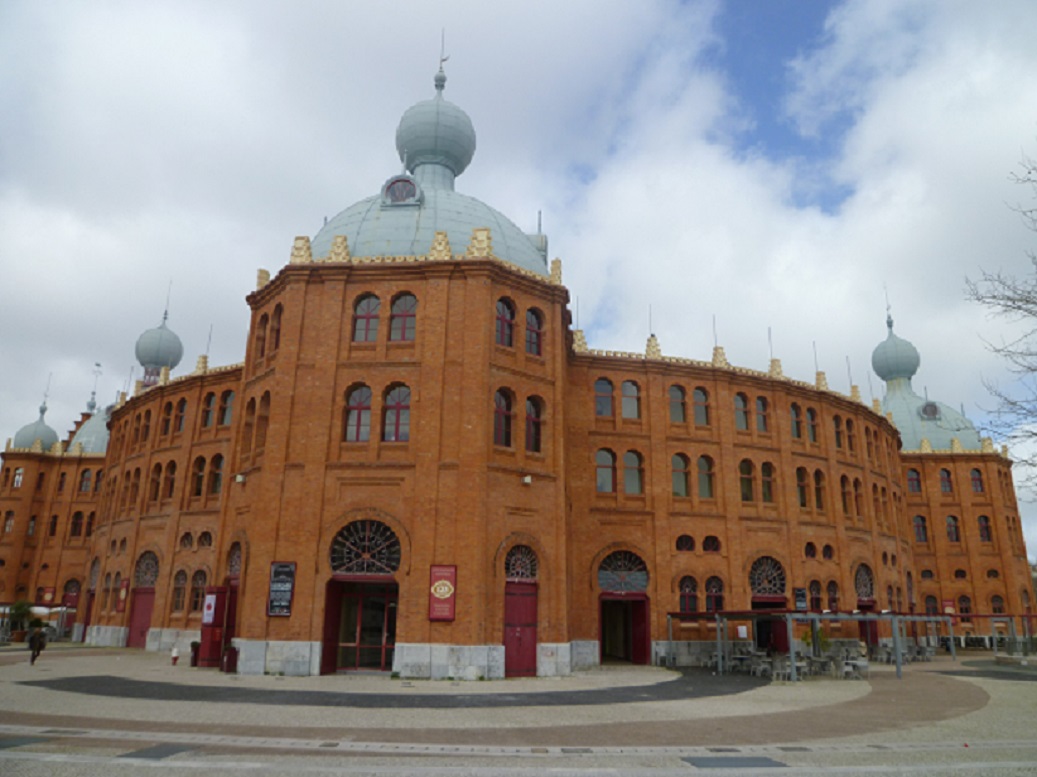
521, 564
623, 571
365, 548
146, 572
864, 582
767, 577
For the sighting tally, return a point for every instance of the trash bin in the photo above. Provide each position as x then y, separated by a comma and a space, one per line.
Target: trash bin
229, 663
195, 647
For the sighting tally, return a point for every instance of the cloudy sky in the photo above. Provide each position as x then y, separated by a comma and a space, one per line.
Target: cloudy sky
776, 166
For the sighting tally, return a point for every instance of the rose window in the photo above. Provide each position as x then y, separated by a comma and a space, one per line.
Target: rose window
365, 548
520, 563
146, 573
767, 577
864, 582
623, 572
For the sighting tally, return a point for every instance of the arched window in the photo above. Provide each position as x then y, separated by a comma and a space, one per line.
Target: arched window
678, 407
520, 565
706, 477
869, 444
685, 543
502, 415
927, 574
700, 399
993, 574
914, 481
837, 427
986, 534
741, 412
803, 487
179, 591
234, 560
960, 574
534, 424
145, 429
767, 577
208, 411
170, 485
997, 605
858, 497
631, 399
226, 408
689, 595
505, 326
205, 540
746, 478
358, 414
366, 547
797, 421
815, 595
762, 420
828, 552
946, 483
977, 481
864, 582
403, 318
262, 421
605, 465
77, 525
921, 530
680, 474
767, 484
216, 474
155, 488
833, 595
261, 327
633, 473
810, 550
275, 328
135, 489
930, 606
84, 480
851, 437
365, 319
534, 332
186, 541
136, 439
198, 590
623, 572
711, 544
181, 413
396, 415
603, 406
819, 489
953, 530
714, 594
90, 524
248, 428
965, 609
198, 477
117, 585
811, 424
847, 494
145, 572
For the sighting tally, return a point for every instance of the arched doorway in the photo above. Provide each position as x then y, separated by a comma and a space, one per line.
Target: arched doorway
520, 612
623, 580
864, 582
143, 600
767, 584
361, 599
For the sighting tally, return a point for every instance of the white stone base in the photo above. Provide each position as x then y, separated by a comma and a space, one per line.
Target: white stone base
77, 632
107, 636
163, 640
449, 662
292, 659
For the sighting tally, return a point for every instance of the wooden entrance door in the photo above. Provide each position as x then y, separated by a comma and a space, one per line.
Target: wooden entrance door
141, 605
359, 626
520, 629
624, 628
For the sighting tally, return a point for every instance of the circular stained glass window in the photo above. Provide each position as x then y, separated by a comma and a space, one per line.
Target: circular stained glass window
365, 548
623, 572
520, 563
767, 577
146, 572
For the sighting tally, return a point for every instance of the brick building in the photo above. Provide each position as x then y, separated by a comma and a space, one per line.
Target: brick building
420, 466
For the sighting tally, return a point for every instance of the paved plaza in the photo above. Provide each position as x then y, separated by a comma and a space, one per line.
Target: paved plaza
86, 711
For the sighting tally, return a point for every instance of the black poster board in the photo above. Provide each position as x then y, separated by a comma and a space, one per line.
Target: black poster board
282, 585
801, 598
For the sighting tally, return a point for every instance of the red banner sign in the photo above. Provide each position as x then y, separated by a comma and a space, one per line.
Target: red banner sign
48, 596
123, 594
441, 592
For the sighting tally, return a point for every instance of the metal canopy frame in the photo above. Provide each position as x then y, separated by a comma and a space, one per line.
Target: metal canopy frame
791, 617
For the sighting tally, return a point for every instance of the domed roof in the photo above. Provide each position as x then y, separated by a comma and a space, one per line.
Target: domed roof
895, 357
436, 141
27, 436
93, 434
436, 132
159, 347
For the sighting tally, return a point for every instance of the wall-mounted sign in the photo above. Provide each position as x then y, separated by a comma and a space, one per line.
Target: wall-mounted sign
441, 592
123, 595
948, 606
48, 596
209, 610
282, 586
800, 595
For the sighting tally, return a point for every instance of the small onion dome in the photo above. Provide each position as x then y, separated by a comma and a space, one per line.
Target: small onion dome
93, 434
37, 430
895, 357
159, 347
436, 132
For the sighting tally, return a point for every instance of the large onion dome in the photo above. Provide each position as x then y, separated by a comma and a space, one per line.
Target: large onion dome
157, 348
38, 430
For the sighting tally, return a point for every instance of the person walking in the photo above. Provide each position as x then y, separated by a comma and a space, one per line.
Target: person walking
37, 641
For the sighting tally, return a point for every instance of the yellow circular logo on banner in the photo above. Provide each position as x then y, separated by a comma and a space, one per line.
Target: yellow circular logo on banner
442, 589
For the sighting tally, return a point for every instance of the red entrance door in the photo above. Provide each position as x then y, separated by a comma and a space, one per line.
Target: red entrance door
624, 628
359, 626
141, 605
520, 629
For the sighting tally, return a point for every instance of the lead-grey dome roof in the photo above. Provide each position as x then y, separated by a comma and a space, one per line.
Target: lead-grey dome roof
436, 141
93, 434
27, 436
159, 347
895, 357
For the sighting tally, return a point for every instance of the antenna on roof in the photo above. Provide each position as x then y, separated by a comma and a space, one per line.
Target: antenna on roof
849, 374
540, 230
816, 367
443, 57
208, 343
770, 343
715, 343
871, 391
650, 330
97, 374
169, 293
577, 312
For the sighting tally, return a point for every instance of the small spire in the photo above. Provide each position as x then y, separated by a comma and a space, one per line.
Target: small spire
440, 79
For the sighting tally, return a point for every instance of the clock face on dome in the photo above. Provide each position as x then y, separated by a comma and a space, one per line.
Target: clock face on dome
400, 190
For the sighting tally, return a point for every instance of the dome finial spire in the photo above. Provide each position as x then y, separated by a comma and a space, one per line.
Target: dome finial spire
889, 308
440, 79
